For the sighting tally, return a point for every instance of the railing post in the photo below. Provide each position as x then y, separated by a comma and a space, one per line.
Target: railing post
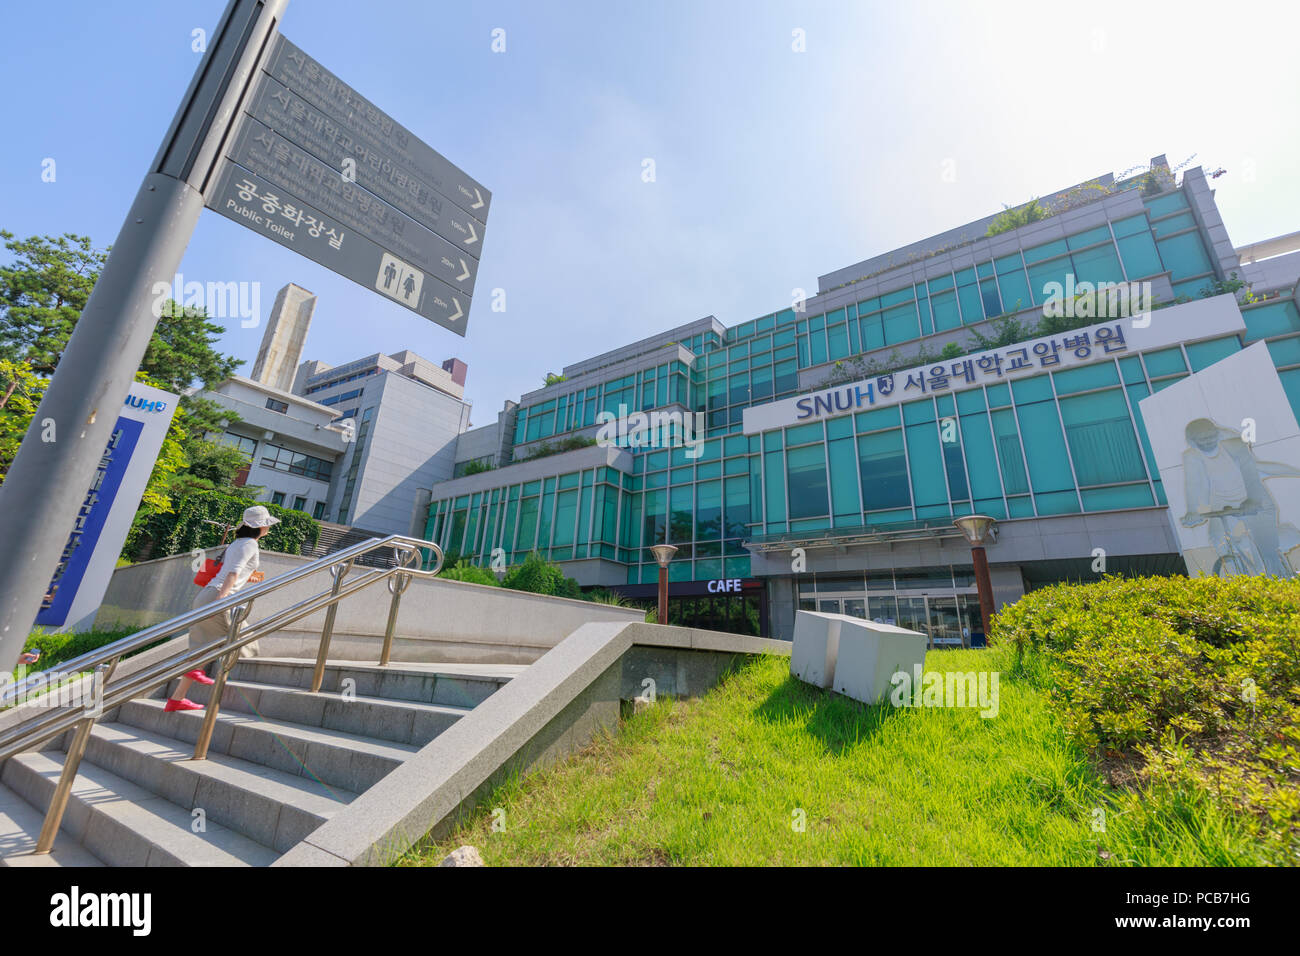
397, 585
338, 571
237, 615
71, 761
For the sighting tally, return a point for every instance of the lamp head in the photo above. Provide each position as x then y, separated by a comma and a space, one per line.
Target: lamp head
663, 553
976, 528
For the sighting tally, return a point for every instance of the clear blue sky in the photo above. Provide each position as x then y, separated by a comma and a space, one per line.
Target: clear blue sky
773, 166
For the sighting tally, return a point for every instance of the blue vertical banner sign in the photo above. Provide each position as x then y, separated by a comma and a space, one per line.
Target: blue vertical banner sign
105, 515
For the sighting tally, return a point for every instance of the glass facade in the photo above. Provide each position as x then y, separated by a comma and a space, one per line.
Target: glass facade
1058, 442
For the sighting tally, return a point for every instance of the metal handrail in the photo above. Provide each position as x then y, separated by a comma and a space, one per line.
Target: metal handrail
50, 722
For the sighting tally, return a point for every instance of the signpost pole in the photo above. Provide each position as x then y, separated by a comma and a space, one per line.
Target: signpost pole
48, 481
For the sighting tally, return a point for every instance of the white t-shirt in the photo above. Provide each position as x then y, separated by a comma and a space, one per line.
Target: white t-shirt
1227, 486
242, 558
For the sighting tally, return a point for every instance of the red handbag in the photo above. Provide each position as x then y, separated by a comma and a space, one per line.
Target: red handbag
210, 567
208, 572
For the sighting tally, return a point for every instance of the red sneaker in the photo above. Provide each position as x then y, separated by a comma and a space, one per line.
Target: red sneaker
202, 678
183, 704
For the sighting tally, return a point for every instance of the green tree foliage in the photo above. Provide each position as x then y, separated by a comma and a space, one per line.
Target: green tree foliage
198, 522
1013, 218
20, 392
1007, 330
181, 353
171, 461
42, 293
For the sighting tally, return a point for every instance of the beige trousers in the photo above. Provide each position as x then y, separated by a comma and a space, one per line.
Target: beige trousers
215, 627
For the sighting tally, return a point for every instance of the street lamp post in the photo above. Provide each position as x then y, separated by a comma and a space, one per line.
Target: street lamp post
976, 528
663, 554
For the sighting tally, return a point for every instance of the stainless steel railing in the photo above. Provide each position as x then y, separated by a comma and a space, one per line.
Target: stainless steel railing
48, 722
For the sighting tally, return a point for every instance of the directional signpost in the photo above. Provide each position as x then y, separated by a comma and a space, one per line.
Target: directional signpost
268, 137
318, 168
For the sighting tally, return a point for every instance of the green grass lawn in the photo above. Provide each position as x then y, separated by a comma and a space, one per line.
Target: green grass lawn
726, 779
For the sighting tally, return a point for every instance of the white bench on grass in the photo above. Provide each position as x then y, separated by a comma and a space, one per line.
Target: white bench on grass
851, 656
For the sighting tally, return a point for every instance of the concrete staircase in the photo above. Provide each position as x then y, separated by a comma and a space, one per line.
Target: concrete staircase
281, 762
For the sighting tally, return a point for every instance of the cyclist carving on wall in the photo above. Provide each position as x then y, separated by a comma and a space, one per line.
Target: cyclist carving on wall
1224, 485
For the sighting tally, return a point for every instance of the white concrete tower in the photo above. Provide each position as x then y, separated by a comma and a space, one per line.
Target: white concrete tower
284, 337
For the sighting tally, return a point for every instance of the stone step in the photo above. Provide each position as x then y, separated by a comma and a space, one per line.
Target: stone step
401, 721
274, 808
332, 757
449, 684
124, 824
20, 826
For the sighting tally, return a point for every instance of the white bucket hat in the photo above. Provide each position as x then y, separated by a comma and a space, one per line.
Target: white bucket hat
258, 517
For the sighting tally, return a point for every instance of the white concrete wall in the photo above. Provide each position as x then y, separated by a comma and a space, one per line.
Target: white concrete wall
438, 621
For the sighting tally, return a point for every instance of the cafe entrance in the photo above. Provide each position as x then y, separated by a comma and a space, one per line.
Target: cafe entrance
941, 603
733, 605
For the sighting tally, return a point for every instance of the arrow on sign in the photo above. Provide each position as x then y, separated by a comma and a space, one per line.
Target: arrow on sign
465, 273
473, 236
479, 204
456, 302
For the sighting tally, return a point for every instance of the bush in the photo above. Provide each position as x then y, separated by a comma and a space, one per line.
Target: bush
535, 575
572, 443
539, 576
1196, 681
1011, 218
186, 528
59, 646
464, 571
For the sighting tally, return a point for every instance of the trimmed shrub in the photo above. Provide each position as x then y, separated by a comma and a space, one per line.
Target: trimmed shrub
534, 574
472, 573
1197, 681
59, 646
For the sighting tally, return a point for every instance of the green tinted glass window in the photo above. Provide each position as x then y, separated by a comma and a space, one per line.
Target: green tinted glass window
708, 510
1101, 437
946, 314
1015, 291
737, 507
1164, 362
1014, 478
1184, 255
774, 487
900, 324
1045, 450
1139, 254
806, 475
981, 462
1163, 205
1202, 354
1042, 275
927, 466
843, 462
1097, 265
882, 465
1045, 251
